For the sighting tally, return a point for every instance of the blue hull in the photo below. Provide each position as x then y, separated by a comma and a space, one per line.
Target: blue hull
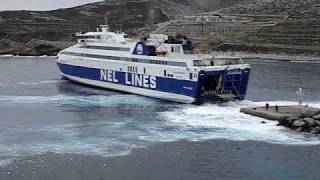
235, 82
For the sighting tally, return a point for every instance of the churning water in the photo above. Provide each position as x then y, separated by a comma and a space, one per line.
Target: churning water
41, 113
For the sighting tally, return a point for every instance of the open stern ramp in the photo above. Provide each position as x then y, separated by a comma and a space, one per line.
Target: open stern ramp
223, 83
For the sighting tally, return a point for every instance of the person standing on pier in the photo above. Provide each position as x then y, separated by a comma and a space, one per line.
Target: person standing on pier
267, 106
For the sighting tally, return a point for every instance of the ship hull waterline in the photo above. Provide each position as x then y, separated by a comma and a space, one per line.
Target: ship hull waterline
133, 90
174, 91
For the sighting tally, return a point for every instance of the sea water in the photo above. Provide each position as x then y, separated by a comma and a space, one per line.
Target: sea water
41, 113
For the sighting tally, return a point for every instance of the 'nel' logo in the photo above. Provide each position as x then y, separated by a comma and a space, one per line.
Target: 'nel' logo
107, 75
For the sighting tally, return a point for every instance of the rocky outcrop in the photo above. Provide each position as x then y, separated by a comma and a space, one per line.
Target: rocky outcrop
317, 117
34, 47
300, 124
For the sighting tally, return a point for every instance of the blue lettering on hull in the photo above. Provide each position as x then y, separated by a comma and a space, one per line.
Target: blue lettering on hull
235, 82
130, 79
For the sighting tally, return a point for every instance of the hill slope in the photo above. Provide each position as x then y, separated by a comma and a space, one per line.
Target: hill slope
297, 8
47, 32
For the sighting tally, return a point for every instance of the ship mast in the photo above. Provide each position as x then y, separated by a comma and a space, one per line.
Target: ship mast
105, 28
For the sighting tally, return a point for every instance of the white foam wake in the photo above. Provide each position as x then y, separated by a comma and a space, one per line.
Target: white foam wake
6, 55
40, 82
101, 100
109, 134
225, 121
4, 162
17, 56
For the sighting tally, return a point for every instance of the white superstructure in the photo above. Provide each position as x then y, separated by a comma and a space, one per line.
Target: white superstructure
159, 66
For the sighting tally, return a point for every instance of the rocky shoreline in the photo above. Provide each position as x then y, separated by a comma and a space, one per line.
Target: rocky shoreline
298, 118
35, 48
306, 123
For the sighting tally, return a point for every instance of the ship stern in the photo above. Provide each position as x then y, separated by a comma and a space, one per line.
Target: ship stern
223, 83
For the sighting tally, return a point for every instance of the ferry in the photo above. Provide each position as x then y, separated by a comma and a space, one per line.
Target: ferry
159, 66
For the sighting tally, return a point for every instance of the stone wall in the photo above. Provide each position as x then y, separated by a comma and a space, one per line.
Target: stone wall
219, 24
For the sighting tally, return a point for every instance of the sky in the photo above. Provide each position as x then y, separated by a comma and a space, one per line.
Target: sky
40, 4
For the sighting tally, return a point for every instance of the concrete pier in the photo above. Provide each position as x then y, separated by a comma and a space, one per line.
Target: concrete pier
299, 118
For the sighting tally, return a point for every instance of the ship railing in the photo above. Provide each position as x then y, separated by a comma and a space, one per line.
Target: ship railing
227, 53
233, 86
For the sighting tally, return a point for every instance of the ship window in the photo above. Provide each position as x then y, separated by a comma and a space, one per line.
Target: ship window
177, 49
144, 70
190, 75
132, 69
170, 63
172, 49
198, 63
165, 72
107, 48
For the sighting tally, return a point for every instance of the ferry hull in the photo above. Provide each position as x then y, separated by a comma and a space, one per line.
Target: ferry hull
182, 91
164, 90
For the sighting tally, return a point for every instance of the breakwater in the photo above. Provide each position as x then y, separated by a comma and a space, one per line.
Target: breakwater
298, 118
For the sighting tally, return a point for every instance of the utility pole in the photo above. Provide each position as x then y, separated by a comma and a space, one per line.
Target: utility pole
202, 24
106, 20
120, 26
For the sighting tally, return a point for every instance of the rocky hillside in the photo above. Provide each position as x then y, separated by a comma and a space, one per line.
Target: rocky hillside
47, 32
297, 8
299, 33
